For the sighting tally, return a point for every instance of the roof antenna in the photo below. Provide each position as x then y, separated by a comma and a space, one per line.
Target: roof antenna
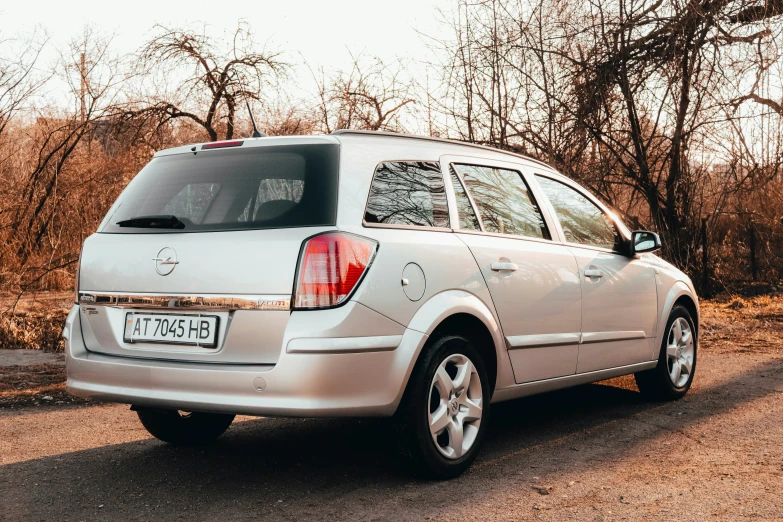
256, 133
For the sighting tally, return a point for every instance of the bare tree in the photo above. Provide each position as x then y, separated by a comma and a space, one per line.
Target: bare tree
619, 94
371, 96
18, 78
31, 241
212, 82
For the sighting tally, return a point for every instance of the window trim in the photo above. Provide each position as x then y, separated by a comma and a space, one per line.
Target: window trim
366, 224
450, 167
559, 178
448, 160
446, 188
511, 236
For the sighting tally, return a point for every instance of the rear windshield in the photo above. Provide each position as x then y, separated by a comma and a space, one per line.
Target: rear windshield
232, 189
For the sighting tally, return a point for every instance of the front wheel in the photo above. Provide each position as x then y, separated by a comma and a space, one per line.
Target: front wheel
184, 428
446, 408
672, 377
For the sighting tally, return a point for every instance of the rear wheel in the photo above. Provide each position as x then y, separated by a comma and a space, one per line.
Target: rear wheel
672, 377
445, 411
184, 428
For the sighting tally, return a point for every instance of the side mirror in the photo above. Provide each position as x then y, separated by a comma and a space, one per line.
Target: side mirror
644, 241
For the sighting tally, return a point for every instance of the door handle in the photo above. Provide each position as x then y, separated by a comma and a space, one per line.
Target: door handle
593, 272
498, 266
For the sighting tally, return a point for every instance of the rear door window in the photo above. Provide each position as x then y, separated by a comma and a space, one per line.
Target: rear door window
232, 189
410, 193
503, 200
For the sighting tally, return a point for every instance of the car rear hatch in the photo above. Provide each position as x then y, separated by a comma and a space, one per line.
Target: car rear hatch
197, 258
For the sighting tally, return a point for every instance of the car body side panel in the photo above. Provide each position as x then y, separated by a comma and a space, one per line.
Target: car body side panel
619, 309
539, 304
449, 270
446, 262
675, 291
451, 302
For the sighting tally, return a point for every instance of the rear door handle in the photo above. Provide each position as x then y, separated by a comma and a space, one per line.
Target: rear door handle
498, 266
593, 272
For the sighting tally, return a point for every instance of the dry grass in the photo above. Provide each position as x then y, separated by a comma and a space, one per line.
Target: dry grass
740, 325
34, 323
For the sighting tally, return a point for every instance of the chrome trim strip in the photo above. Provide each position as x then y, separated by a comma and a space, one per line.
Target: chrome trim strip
381, 343
473, 205
602, 337
536, 341
559, 339
365, 224
189, 302
510, 236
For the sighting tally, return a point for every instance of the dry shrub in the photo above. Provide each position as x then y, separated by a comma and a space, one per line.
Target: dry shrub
35, 323
731, 323
737, 303
33, 331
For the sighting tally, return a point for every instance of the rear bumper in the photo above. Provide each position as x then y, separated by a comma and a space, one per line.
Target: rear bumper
306, 384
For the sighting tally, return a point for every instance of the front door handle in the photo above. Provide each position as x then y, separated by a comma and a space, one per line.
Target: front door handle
593, 272
503, 264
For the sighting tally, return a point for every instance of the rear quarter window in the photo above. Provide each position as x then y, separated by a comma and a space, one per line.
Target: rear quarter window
410, 193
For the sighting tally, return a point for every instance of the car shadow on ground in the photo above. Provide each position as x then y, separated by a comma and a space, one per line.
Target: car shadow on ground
312, 465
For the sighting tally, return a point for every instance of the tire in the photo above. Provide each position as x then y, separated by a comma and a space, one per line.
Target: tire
184, 429
465, 412
659, 384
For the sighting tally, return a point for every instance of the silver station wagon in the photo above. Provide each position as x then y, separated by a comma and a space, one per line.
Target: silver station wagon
366, 274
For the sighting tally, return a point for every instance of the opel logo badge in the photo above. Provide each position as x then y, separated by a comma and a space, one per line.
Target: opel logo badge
166, 261
454, 406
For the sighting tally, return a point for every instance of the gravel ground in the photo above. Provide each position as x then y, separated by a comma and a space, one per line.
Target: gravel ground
597, 452
30, 357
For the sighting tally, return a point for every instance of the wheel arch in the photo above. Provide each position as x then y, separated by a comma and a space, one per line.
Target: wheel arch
689, 304
679, 294
472, 328
460, 312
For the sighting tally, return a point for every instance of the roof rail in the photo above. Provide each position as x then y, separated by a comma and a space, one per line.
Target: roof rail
439, 140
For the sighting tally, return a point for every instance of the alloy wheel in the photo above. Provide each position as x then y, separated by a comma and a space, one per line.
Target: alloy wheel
679, 352
456, 403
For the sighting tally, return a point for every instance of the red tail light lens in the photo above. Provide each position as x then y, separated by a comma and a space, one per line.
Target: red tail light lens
330, 267
221, 144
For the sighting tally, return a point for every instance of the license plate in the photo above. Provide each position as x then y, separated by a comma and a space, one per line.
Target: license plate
193, 330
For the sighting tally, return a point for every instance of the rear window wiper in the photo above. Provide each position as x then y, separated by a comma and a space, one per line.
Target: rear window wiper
152, 222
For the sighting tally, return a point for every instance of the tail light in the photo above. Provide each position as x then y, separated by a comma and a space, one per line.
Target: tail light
330, 268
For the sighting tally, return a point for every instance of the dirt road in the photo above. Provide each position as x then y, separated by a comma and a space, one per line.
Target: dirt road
598, 452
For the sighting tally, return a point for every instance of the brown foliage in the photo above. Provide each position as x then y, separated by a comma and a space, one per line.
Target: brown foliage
36, 323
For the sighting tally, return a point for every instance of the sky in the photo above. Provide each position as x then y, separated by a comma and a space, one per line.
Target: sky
322, 31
